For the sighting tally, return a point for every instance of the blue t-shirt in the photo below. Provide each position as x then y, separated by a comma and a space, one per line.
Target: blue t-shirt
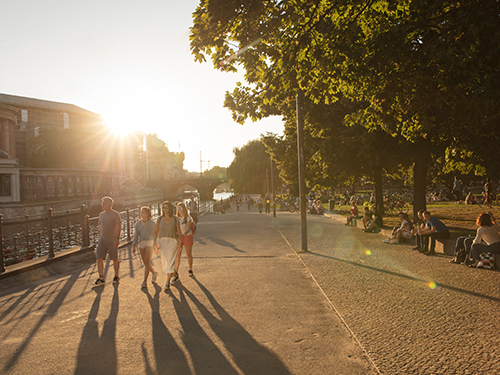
438, 224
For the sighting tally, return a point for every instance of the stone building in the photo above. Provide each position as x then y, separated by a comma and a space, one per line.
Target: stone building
162, 164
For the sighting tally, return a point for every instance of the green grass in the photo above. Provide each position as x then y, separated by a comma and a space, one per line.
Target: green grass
459, 218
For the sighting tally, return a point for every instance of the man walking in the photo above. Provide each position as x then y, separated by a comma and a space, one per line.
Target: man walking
110, 226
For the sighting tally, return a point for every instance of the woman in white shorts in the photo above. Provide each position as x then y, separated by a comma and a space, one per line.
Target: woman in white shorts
187, 231
168, 232
144, 236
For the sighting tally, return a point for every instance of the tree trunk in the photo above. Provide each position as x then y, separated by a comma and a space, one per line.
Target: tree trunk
379, 191
420, 183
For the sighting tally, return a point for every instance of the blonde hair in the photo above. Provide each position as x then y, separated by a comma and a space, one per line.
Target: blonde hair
148, 210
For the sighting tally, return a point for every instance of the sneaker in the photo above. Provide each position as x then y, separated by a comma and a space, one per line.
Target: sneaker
116, 280
386, 241
155, 276
167, 286
98, 282
394, 241
190, 272
175, 278
144, 285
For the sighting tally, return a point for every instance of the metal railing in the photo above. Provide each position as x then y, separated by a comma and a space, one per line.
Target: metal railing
36, 241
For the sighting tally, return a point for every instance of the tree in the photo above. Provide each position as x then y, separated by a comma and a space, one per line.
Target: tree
250, 171
54, 148
216, 172
428, 70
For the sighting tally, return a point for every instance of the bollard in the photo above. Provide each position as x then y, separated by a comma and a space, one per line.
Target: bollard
2, 262
27, 234
51, 237
87, 231
67, 228
84, 228
128, 225
332, 205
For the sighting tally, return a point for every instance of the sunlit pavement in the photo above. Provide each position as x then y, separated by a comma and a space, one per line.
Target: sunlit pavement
413, 314
252, 308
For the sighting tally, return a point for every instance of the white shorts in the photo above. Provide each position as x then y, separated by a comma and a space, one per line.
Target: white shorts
143, 244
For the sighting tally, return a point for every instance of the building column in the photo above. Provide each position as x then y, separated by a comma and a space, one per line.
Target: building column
15, 187
12, 130
5, 136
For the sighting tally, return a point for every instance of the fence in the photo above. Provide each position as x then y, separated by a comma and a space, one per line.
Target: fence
50, 237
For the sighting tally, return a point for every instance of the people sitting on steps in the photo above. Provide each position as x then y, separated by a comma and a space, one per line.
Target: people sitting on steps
435, 230
404, 232
354, 214
487, 232
375, 223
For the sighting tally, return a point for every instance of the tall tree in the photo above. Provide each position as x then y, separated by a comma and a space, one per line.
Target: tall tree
250, 170
428, 70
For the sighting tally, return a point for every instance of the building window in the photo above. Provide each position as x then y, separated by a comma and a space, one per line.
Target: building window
28, 179
49, 179
60, 190
39, 179
78, 190
85, 180
50, 191
28, 191
38, 191
78, 179
70, 190
69, 179
5, 185
60, 179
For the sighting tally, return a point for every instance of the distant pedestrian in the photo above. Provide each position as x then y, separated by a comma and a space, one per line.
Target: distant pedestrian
144, 238
268, 204
187, 232
110, 226
489, 193
259, 203
168, 235
457, 189
193, 210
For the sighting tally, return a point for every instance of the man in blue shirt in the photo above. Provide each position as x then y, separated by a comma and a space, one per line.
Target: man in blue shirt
435, 229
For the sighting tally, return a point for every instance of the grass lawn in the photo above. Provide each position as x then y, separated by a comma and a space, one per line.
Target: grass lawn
459, 218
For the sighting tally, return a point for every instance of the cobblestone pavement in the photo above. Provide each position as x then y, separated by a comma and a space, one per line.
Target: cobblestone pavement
413, 314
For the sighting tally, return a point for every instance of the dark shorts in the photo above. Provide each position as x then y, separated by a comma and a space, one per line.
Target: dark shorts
105, 247
187, 240
194, 215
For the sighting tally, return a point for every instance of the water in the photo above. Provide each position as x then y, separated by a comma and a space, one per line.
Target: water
219, 196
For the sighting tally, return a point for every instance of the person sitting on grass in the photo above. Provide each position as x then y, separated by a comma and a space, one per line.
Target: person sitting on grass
487, 232
469, 199
354, 214
319, 208
436, 230
375, 223
404, 232
368, 217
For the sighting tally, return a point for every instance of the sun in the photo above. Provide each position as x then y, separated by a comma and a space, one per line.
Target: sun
118, 123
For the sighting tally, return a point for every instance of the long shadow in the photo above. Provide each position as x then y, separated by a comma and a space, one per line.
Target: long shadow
16, 303
99, 352
222, 242
170, 359
51, 311
205, 355
459, 290
249, 355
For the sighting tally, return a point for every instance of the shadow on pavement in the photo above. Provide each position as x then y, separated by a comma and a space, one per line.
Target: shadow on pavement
459, 290
206, 356
222, 242
51, 311
98, 353
250, 356
170, 359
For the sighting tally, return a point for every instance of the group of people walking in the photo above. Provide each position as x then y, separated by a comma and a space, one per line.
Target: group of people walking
171, 233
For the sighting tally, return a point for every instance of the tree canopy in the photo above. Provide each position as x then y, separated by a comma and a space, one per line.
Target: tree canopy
426, 72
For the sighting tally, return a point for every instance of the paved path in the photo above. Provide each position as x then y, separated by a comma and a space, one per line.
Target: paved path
413, 314
252, 308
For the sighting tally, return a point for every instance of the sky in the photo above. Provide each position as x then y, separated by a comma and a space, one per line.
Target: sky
130, 62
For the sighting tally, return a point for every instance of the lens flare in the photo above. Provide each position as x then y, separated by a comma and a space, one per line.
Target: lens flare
432, 285
368, 252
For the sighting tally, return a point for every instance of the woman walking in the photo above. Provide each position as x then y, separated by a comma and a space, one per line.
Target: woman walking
170, 241
143, 236
187, 231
